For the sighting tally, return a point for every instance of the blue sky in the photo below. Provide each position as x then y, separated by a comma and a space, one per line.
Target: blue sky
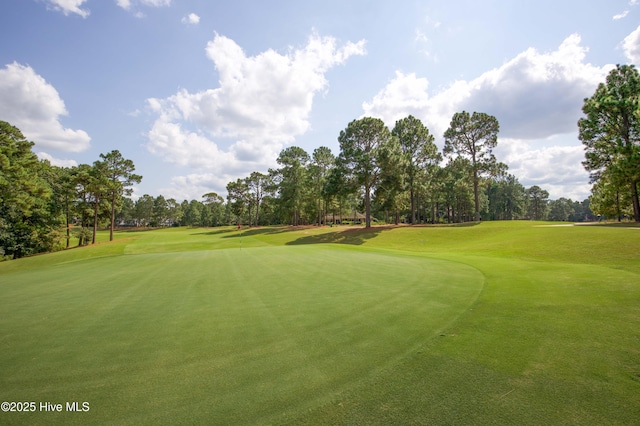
199, 93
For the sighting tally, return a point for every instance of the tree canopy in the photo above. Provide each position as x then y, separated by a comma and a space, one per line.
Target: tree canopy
382, 173
120, 177
362, 145
474, 137
26, 225
610, 133
419, 154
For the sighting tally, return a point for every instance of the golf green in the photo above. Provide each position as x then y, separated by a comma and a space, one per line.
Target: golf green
244, 336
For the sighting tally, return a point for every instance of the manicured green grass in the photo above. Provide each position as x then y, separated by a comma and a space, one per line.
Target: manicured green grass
496, 323
231, 336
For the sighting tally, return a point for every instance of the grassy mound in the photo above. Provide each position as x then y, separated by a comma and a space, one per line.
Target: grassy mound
496, 323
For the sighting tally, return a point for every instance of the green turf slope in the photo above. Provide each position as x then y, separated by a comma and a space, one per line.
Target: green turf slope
230, 336
554, 338
494, 323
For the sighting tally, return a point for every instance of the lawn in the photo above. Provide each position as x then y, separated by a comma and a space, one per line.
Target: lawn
496, 323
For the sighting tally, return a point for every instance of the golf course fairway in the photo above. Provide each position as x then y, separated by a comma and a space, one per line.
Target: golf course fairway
495, 323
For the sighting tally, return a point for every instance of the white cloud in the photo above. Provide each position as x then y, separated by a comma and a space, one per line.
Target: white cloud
405, 94
558, 169
34, 106
624, 14
194, 186
131, 4
191, 18
620, 15
125, 4
262, 103
534, 95
631, 46
156, 3
56, 161
538, 95
179, 146
69, 6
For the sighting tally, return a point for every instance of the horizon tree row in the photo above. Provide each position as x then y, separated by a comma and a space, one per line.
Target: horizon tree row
38, 201
379, 173
396, 175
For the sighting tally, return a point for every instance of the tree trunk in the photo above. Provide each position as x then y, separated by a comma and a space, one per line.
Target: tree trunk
367, 206
258, 199
476, 198
636, 201
324, 212
95, 221
66, 202
413, 207
113, 217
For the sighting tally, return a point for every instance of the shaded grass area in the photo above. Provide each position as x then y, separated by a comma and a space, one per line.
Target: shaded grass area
319, 337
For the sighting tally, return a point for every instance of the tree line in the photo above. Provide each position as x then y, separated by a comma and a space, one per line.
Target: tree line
39, 202
391, 175
380, 174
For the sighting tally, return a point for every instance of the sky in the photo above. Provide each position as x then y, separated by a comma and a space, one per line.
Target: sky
199, 93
